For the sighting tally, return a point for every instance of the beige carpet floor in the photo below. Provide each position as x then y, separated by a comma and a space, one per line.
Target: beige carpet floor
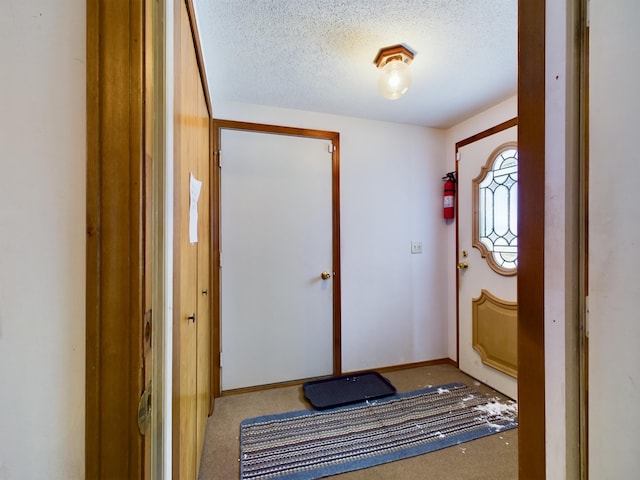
491, 458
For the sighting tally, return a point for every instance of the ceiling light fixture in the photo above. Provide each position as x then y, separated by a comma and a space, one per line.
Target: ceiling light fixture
395, 75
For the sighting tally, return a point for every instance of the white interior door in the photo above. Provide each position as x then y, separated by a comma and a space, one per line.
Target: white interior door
276, 241
475, 274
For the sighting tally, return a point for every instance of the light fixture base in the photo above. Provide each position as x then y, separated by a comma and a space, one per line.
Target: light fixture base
394, 52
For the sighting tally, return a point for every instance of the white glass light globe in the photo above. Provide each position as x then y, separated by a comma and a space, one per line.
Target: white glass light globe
394, 80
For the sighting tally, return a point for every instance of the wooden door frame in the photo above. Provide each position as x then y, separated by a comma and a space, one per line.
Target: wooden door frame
115, 251
334, 137
531, 221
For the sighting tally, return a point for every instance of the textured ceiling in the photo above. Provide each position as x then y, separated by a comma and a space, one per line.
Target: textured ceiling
317, 55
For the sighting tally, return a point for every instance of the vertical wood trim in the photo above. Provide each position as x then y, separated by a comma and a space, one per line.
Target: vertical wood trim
152, 440
177, 272
584, 125
457, 255
216, 346
115, 238
198, 49
337, 277
136, 235
214, 175
531, 145
93, 363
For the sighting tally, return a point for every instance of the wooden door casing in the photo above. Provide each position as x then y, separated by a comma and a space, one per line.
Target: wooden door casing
116, 244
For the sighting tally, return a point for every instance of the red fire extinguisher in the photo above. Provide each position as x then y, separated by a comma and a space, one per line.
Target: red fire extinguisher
449, 194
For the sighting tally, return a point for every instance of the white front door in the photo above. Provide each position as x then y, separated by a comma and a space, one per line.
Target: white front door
276, 242
494, 331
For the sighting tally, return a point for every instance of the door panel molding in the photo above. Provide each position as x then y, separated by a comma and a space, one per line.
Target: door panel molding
495, 332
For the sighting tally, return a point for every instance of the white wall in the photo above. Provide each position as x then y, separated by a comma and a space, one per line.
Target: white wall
393, 302
561, 262
614, 229
491, 117
42, 239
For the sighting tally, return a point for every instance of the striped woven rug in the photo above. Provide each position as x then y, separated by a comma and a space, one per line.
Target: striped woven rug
312, 444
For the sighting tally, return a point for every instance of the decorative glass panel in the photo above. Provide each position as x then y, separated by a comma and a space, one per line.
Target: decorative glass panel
496, 210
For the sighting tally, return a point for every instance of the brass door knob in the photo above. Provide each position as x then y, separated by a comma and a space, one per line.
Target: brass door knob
463, 266
325, 275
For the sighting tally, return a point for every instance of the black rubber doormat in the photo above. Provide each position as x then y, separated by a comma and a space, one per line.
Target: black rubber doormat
346, 389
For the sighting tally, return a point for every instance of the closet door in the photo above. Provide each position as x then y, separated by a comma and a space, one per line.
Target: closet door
191, 307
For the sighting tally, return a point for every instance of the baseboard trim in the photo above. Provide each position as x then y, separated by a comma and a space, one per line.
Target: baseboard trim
293, 383
406, 366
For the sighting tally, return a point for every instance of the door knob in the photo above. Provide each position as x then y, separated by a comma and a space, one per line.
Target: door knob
325, 275
463, 266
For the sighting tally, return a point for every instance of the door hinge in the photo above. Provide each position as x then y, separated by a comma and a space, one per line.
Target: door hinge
457, 156
587, 20
331, 148
219, 155
220, 359
144, 410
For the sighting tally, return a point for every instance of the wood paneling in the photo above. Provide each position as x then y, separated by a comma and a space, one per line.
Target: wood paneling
192, 266
531, 151
115, 238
